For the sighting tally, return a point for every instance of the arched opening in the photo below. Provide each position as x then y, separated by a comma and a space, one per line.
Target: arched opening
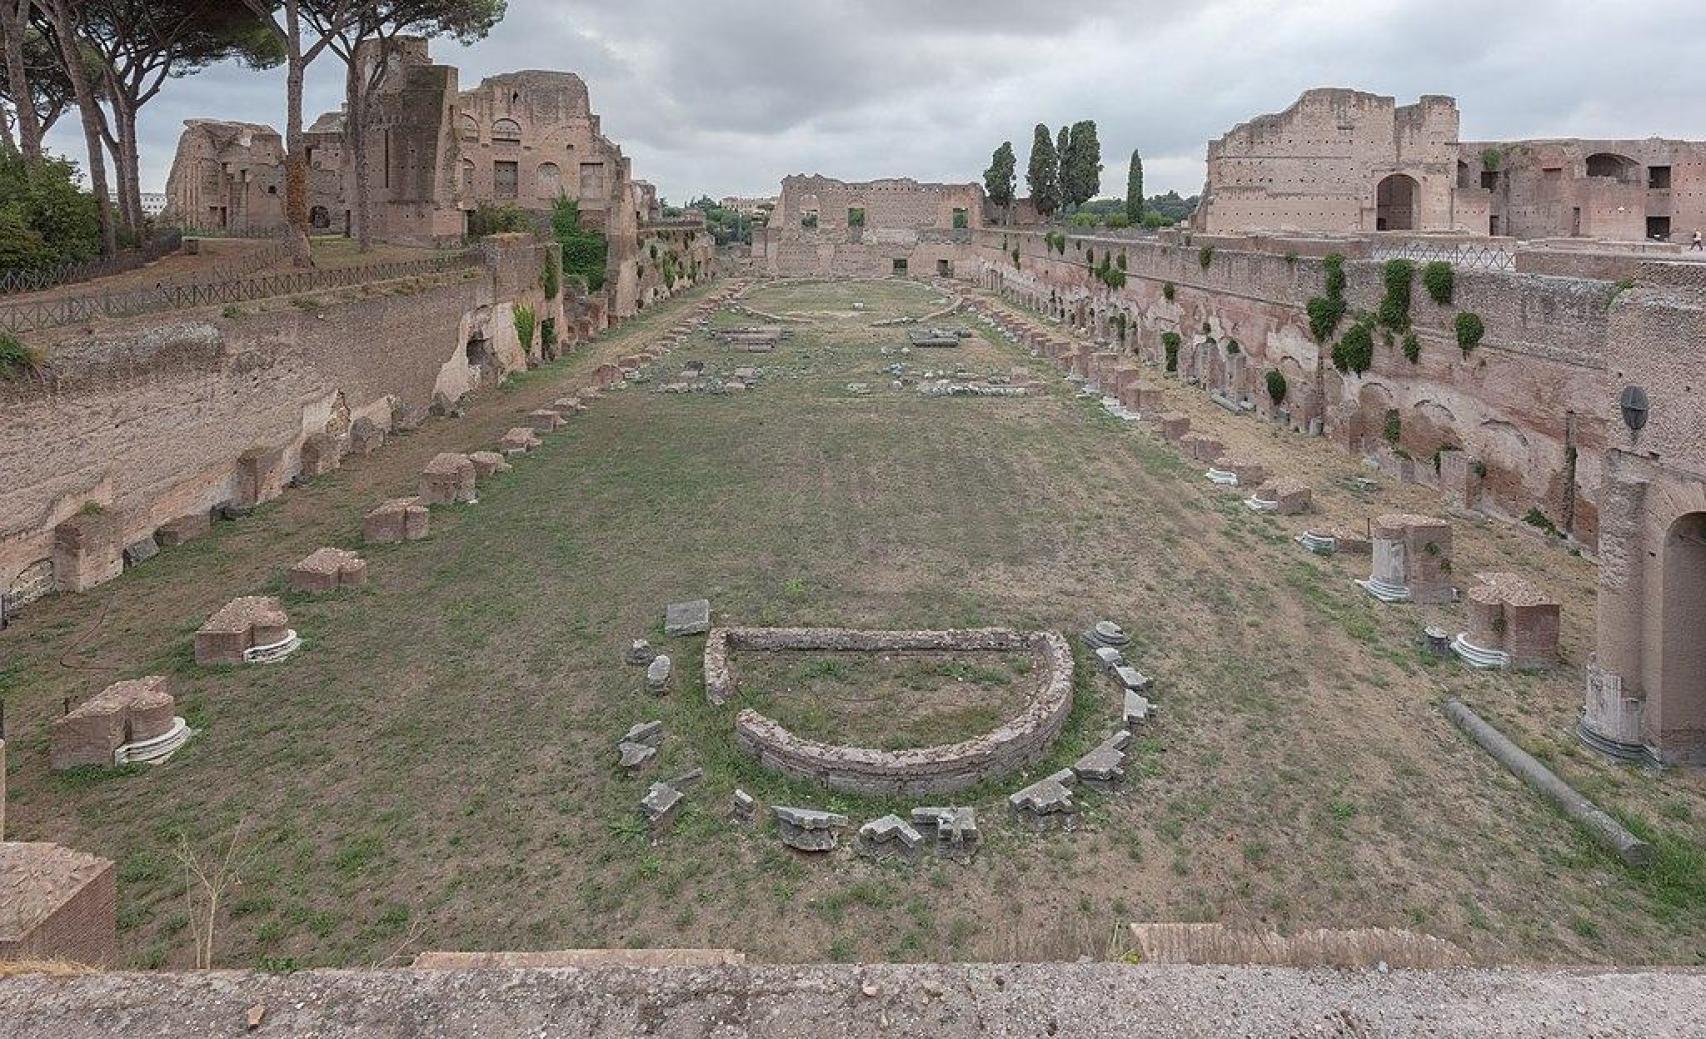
549, 182
1681, 718
1616, 167
1395, 203
506, 131
467, 127
319, 218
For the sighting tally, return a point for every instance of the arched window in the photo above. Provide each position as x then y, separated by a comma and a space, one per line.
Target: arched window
468, 128
1396, 201
1613, 166
506, 131
549, 182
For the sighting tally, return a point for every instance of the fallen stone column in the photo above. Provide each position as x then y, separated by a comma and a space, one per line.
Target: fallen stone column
1610, 833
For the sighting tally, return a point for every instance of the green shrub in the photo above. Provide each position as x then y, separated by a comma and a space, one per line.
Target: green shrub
1154, 221
809, 221
16, 359
1015, 257
1055, 240
1090, 257
1440, 281
488, 219
1121, 261
1205, 256
550, 279
1119, 221
1170, 343
1539, 520
1083, 220
585, 252
45, 219
1412, 348
1334, 279
1394, 310
1394, 429
1232, 346
1168, 291
1324, 315
1355, 350
1492, 159
1276, 386
524, 324
1470, 329
548, 333
962, 219
856, 217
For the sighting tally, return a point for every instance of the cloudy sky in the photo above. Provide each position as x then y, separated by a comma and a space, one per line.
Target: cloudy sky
726, 97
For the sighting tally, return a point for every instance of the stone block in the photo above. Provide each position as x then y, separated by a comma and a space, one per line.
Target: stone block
743, 807
658, 675
1137, 710
639, 653
1412, 559
953, 829
807, 829
86, 550
633, 755
488, 462
321, 453
544, 421
138, 552
890, 837
1104, 765
327, 570
660, 806
261, 475
1046, 804
60, 905
400, 519
365, 436
1174, 426
1512, 623
1250, 473
241, 625
687, 618
1285, 497
519, 441
448, 478
186, 528
135, 711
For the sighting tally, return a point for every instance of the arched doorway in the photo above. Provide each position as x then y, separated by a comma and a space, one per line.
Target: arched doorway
1681, 718
1396, 201
1614, 167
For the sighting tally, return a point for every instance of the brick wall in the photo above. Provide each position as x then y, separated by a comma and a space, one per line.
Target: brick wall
148, 420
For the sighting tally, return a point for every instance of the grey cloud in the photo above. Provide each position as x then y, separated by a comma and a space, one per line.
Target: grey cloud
728, 96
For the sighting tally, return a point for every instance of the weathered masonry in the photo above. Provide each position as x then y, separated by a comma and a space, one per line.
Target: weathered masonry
823, 226
1349, 162
143, 429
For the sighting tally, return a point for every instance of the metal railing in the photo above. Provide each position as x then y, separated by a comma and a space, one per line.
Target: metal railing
16, 281
1466, 255
24, 317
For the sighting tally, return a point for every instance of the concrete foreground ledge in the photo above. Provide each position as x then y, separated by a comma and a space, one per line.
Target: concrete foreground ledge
848, 1000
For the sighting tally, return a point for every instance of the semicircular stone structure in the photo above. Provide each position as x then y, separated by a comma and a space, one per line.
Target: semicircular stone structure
1020, 741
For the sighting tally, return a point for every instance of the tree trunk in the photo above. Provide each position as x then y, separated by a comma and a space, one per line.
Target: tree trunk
133, 171
16, 16
122, 127
358, 136
64, 27
295, 159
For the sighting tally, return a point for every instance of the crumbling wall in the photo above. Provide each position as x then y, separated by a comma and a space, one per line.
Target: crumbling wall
1524, 404
139, 424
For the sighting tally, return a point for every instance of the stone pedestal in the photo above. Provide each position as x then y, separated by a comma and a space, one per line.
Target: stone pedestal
1412, 560
400, 519
87, 550
448, 478
136, 713
327, 570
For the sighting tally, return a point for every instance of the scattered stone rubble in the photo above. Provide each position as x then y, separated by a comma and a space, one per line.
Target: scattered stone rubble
447, 479
954, 829
639, 653
890, 837
1104, 765
663, 801
743, 807
1046, 804
639, 744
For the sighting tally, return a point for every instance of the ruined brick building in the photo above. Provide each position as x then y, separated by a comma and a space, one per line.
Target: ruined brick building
825, 226
1349, 162
435, 154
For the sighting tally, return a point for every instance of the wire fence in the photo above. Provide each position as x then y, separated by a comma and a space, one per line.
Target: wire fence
24, 317
15, 281
1466, 255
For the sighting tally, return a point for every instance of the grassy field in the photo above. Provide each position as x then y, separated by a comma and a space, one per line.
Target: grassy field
436, 768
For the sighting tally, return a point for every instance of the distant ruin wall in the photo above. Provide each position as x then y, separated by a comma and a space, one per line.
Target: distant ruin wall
1525, 403
162, 418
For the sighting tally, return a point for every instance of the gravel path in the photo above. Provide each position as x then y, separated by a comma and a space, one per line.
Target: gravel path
827, 1002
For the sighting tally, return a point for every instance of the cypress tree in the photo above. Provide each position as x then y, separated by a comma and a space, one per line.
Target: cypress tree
1043, 176
998, 179
1134, 190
